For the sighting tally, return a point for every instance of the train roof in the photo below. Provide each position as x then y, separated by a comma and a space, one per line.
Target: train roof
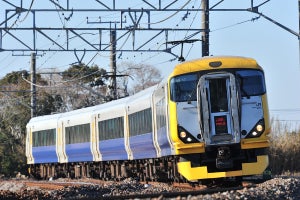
113, 107
41, 121
141, 100
215, 63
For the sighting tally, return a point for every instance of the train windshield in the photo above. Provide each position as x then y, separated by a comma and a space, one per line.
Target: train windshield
184, 88
252, 82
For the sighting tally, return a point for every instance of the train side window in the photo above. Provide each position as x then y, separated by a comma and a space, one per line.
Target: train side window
252, 82
184, 88
160, 114
111, 128
140, 122
44, 138
77, 134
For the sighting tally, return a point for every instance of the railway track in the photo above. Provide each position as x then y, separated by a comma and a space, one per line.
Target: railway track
181, 194
276, 188
97, 189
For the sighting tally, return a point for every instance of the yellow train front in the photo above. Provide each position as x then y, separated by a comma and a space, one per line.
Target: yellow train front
218, 117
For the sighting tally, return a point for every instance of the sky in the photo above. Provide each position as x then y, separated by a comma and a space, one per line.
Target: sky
231, 33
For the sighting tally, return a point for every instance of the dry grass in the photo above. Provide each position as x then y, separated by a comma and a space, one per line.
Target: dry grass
285, 149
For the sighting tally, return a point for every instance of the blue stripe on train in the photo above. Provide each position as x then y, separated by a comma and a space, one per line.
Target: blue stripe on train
142, 146
44, 154
113, 149
79, 152
163, 141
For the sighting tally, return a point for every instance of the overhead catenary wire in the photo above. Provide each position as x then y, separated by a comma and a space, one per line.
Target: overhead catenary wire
55, 52
61, 82
236, 24
185, 37
193, 18
63, 21
28, 11
285, 114
129, 33
22, 20
185, 4
158, 22
285, 110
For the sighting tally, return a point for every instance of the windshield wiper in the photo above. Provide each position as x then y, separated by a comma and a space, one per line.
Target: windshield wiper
241, 87
191, 95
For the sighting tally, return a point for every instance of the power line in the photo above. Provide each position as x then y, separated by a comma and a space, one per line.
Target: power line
133, 23
285, 110
61, 82
169, 17
236, 24
287, 120
28, 11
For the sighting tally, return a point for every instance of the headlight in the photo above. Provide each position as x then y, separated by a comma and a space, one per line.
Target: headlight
185, 136
257, 130
182, 134
254, 133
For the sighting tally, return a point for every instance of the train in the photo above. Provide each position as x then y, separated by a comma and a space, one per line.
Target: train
208, 119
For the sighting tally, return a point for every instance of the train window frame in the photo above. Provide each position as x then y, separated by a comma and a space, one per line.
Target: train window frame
218, 95
259, 81
236, 71
111, 128
161, 118
78, 134
140, 122
44, 138
184, 80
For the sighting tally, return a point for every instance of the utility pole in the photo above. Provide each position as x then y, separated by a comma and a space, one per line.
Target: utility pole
113, 65
205, 27
33, 84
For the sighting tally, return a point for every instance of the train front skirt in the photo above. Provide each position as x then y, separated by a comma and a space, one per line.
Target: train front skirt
195, 173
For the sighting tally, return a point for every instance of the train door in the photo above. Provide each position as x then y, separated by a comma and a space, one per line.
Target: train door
60, 140
29, 155
95, 139
217, 98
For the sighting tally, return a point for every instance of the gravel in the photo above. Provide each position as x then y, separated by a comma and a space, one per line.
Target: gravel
285, 188
276, 188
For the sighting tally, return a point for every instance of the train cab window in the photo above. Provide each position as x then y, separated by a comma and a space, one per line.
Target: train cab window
218, 95
184, 88
252, 82
44, 138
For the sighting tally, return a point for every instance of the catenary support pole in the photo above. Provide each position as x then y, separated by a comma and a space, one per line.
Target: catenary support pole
33, 84
113, 65
205, 27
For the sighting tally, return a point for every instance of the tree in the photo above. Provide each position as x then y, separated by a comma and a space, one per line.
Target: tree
142, 76
15, 113
84, 73
86, 86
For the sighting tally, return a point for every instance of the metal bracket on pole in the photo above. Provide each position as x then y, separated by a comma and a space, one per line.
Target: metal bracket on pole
79, 60
254, 9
